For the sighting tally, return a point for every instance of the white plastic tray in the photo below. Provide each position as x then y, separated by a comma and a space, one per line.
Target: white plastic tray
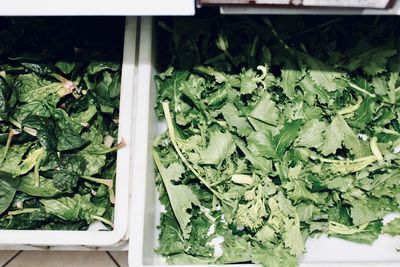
395, 10
122, 184
98, 7
146, 208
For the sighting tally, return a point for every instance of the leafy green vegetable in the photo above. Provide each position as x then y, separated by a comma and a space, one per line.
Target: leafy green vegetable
392, 228
59, 109
8, 188
275, 134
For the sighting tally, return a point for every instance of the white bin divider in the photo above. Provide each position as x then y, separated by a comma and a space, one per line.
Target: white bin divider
122, 184
145, 207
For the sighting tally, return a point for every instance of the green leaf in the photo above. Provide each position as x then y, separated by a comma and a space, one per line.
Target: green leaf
8, 188
392, 228
220, 147
259, 162
333, 137
364, 115
286, 136
290, 78
28, 221
292, 237
68, 138
93, 160
261, 145
107, 92
320, 73
199, 238
34, 88
170, 238
380, 85
64, 180
5, 95
73, 208
370, 210
235, 248
248, 81
45, 189
265, 110
366, 236
180, 196
20, 159
372, 60
82, 119
96, 67
65, 67
273, 256
180, 259
38, 108
311, 134
235, 119
170, 89
312, 90
339, 132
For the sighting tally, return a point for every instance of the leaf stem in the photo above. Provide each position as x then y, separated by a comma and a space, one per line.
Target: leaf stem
111, 194
23, 211
107, 182
387, 131
28, 130
375, 149
171, 132
110, 150
345, 161
104, 220
351, 109
8, 144
362, 90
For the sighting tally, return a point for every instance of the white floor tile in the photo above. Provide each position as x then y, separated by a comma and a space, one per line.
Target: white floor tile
62, 259
121, 257
5, 255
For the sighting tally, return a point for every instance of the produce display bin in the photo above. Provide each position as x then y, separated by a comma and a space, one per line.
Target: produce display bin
102, 7
93, 238
146, 208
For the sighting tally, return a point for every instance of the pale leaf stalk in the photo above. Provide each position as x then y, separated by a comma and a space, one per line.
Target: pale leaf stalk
23, 211
8, 144
171, 132
106, 182
375, 150
362, 90
104, 220
351, 109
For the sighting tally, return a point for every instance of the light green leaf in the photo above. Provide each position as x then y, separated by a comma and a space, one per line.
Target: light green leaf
265, 110
220, 147
261, 145
234, 119
45, 189
292, 237
311, 134
34, 88
180, 196
392, 228
290, 78
322, 74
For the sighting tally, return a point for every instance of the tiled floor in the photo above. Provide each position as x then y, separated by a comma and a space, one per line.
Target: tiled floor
12, 258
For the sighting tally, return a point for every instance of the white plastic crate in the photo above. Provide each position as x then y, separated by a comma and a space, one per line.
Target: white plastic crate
98, 7
146, 208
92, 237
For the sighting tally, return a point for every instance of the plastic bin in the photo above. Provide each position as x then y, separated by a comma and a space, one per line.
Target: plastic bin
146, 207
93, 237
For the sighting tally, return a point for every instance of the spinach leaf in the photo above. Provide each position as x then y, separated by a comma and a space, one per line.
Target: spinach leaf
8, 188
